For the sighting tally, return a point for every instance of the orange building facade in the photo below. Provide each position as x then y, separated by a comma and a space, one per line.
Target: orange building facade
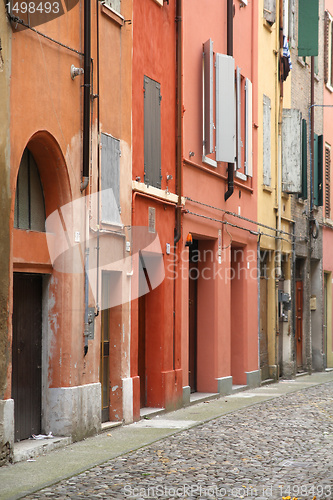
70, 161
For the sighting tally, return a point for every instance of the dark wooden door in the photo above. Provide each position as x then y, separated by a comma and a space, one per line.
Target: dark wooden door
192, 303
27, 354
142, 351
280, 335
263, 327
105, 348
299, 324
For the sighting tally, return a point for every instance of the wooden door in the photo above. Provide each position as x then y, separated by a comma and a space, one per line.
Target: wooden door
280, 336
299, 324
27, 354
105, 348
142, 351
263, 327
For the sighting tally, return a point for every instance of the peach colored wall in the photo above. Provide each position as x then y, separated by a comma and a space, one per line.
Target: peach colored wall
328, 231
217, 306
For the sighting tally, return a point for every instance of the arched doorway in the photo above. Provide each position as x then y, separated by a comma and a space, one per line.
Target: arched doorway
41, 186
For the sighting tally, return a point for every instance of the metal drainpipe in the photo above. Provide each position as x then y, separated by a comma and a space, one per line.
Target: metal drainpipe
86, 149
179, 154
86, 93
230, 52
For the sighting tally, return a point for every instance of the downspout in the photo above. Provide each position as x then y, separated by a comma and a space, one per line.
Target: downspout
258, 274
179, 154
179, 149
230, 52
86, 93
86, 150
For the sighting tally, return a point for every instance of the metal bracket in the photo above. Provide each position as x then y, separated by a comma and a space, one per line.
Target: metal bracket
90, 327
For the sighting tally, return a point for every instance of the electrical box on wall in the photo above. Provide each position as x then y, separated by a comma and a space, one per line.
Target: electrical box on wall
91, 323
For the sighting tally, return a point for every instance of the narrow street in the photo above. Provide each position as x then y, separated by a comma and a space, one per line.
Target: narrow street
270, 443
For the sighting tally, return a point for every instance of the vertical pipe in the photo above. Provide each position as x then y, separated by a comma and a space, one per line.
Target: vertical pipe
312, 136
86, 93
86, 148
179, 154
230, 52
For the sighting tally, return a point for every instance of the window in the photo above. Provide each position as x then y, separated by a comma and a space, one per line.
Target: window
327, 181
243, 126
110, 179
328, 53
152, 132
29, 197
266, 140
270, 11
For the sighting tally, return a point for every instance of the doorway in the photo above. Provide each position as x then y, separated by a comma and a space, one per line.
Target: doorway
27, 354
299, 325
193, 311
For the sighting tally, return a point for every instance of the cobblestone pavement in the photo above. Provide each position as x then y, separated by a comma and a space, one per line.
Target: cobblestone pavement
279, 448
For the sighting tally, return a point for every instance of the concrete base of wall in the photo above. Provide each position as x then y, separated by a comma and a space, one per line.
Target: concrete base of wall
128, 400
224, 386
317, 360
273, 372
6, 430
253, 378
73, 411
288, 369
186, 395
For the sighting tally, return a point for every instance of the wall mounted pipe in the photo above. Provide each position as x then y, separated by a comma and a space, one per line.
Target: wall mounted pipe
86, 93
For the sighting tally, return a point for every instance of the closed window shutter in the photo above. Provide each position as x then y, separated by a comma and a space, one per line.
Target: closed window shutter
326, 45
152, 132
270, 11
318, 171
110, 179
304, 193
266, 140
225, 109
208, 96
248, 128
327, 182
291, 151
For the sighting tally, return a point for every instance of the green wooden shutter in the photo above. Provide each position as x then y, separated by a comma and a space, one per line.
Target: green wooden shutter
304, 193
318, 171
327, 182
308, 27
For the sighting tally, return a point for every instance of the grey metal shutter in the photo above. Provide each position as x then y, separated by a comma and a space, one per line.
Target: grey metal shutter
110, 179
208, 96
225, 109
266, 140
152, 132
291, 151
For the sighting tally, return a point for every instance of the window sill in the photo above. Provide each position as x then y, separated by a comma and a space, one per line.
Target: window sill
209, 161
241, 176
112, 14
267, 25
329, 87
268, 189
